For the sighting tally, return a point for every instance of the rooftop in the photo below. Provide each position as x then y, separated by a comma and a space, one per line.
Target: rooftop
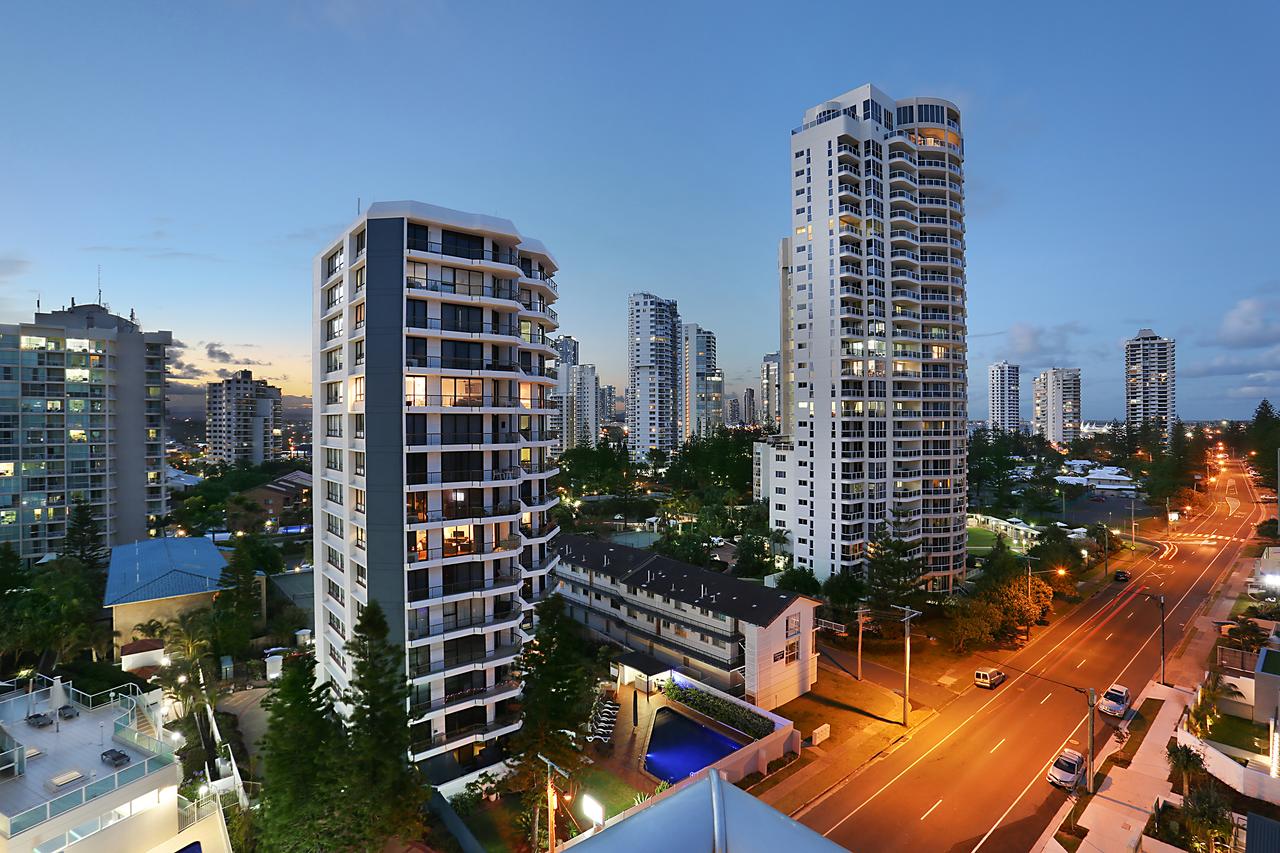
162, 568
721, 593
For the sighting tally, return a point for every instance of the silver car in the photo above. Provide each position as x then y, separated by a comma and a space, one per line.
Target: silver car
1115, 701
1067, 769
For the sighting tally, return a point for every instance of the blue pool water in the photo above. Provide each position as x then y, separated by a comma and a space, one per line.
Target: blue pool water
635, 538
680, 747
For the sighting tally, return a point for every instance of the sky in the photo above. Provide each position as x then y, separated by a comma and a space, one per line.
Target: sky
1120, 166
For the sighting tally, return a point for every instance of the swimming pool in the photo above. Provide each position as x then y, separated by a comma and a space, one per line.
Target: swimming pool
680, 747
635, 538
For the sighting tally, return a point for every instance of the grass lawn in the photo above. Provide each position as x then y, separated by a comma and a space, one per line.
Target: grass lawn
981, 540
611, 792
494, 825
1239, 732
1139, 723
848, 705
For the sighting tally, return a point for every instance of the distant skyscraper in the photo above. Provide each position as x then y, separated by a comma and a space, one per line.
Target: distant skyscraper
581, 406
749, 406
608, 399
770, 389
1006, 411
431, 463
733, 411
873, 346
1150, 380
701, 382
89, 387
653, 361
1056, 412
244, 420
566, 347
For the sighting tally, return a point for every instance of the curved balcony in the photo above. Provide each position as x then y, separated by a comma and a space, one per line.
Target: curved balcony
460, 699
469, 366
501, 582
539, 533
502, 289
848, 191
904, 197
476, 513
464, 548
540, 309
540, 279
425, 748
508, 615
477, 478
902, 178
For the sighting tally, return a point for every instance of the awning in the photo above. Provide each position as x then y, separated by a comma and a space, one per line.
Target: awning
644, 663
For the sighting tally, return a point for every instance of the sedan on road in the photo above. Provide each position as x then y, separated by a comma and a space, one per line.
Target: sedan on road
1115, 701
1067, 769
1122, 575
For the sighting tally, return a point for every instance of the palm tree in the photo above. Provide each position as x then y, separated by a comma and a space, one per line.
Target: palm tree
1214, 690
1184, 760
1208, 816
152, 629
187, 635
1247, 634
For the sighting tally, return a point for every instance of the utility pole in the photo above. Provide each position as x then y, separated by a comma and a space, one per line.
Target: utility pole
1106, 547
907, 615
553, 801
1162, 678
862, 612
1168, 521
1093, 700
1133, 526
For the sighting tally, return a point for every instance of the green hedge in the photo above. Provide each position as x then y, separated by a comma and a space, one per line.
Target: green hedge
729, 713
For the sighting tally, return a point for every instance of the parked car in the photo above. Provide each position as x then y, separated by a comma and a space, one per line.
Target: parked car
1066, 770
1122, 575
1115, 701
39, 720
68, 712
989, 678
115, 758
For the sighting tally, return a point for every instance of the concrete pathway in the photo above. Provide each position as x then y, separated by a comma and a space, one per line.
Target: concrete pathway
253, 718
922, 692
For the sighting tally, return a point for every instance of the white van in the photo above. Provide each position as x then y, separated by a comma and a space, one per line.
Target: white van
988, 678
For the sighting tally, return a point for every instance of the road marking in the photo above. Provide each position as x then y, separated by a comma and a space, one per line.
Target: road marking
1082, 660
1130, 616
1046, 697
931, 808
1109, 636
997, 746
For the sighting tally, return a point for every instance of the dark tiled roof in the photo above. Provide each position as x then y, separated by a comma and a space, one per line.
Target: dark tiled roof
720, 593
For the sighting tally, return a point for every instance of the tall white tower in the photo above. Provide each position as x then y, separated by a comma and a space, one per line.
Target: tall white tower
875, 290
1056, 413
1150, 380
653, 361
1006, 412
701, 382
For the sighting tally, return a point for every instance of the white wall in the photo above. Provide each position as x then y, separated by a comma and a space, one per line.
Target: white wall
772, 683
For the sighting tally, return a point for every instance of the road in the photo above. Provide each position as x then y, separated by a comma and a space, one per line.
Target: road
973, 778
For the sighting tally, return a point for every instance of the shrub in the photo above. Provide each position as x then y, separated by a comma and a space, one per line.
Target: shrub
729, 713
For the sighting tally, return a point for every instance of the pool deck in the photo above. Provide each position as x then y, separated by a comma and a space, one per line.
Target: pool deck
630, 743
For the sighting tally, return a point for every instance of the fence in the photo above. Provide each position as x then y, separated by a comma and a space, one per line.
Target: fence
1237, 659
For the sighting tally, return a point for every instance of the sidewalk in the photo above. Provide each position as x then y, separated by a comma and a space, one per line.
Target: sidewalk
922, 692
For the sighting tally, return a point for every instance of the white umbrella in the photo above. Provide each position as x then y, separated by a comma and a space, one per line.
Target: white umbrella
57, 694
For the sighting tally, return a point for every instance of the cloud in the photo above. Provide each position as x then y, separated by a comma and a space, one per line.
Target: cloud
12, 266
155, 253
180, 369
1252, 322
1042, 345
1262, 361
215, 351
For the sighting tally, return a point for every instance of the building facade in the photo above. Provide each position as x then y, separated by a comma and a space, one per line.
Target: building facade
874, 273
701, 383
608, 403
1056, 404
432, 353
1150, 380
748, 639
567, 348
771, 390
749, 415
1003, 391
244, 420
82, 417
582, 407
653, 384
733, 411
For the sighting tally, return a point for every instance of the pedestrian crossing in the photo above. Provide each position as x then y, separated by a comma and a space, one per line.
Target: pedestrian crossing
1205, 537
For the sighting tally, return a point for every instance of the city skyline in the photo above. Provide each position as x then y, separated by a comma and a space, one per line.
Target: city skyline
170, 203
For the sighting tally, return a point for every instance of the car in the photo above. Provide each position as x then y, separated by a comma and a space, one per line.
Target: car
1115, 702
1122, 575
1067, 769
115, 758
618, 518
989, 678
718, 541
68, 712
39, 720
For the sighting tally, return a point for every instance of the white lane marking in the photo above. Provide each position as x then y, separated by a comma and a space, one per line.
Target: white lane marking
1046, 697
1130, 616
1109, 636
1002, 740
931, 808
1082, 660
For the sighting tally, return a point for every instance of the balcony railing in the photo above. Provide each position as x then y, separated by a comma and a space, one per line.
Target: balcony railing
418, 670
457, 697
432, 478
500, 617
505, 721
501, 288
434, 324
433, 439
436, 362
463, 548
454, 513
499, 581
501, 256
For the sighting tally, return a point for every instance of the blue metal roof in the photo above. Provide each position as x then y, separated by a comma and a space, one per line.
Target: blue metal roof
162, 568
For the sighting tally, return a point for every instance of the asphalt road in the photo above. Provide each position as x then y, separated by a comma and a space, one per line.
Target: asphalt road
973, 777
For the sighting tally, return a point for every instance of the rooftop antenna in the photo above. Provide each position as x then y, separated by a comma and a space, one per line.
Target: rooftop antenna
99, 284
358, 205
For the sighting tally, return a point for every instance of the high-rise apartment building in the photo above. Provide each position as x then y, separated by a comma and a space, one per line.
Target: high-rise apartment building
771, 390
749, 416
432, 355
82, 416
608, 400
1003, 391
244, 420
1056, 410
653, 362
701, 382
1150, 380
874, 286
581, 407
733, 411
566, 347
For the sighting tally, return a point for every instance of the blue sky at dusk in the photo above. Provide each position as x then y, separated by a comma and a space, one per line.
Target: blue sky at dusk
1119, 165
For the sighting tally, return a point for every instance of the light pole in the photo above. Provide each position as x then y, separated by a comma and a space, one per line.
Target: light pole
1092, 699
553, 800
1159, 599
907, 615
862, 613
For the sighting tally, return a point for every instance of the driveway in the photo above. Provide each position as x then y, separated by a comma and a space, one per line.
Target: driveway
247, 706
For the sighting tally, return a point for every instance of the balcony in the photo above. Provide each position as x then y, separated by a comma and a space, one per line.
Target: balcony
500, 289
470, 365
509, 688
424, 748
465, 401
539, 532
463, 548
463, 512
532, 306
498, 256
506, 616
451, 664
421, 596
437, 478
541, 278
469, 330
456, 439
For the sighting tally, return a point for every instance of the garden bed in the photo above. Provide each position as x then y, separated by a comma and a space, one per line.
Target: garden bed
1240, 733
722, 710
